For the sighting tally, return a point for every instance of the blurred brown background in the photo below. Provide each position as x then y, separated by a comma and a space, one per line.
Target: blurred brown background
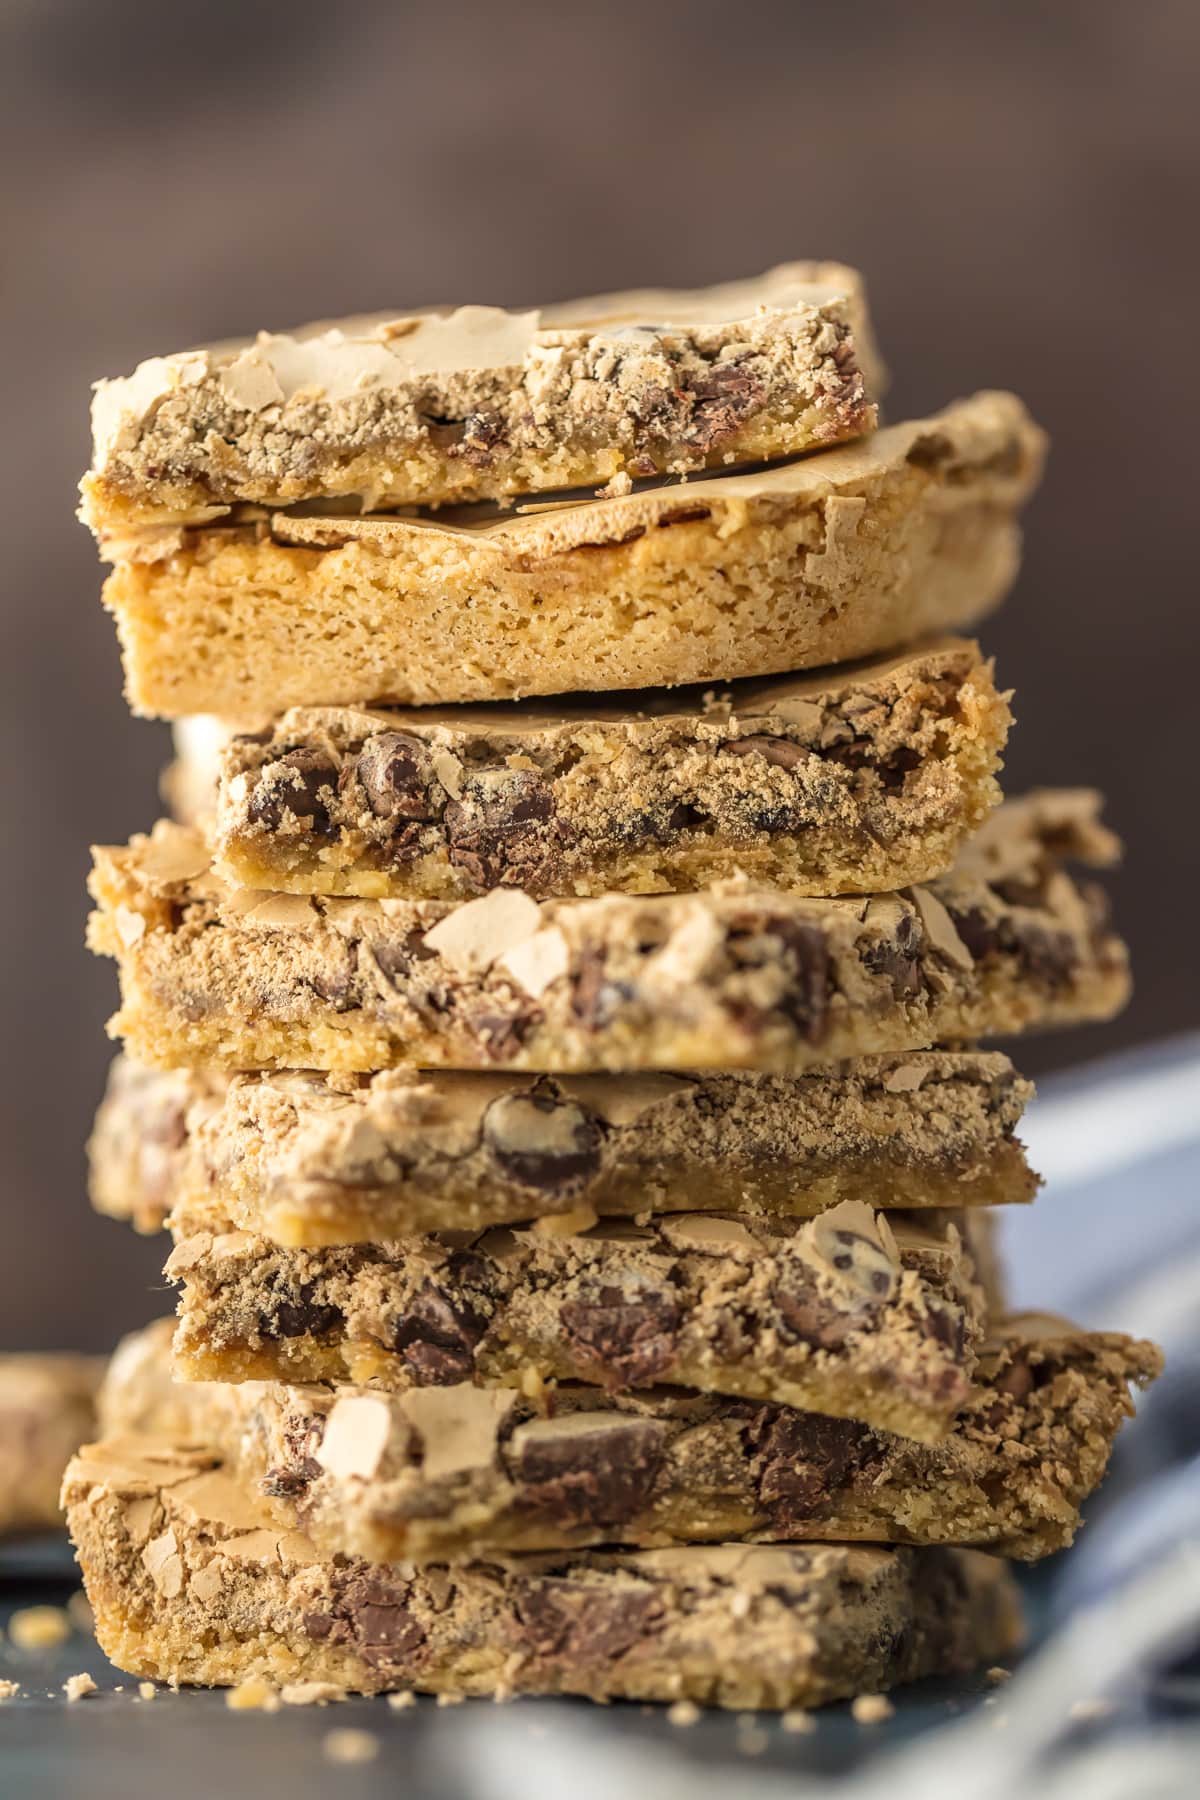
1017, 181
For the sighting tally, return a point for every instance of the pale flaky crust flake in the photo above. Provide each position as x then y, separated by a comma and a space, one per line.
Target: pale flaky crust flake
912, 532
477, 403
736, 977
307, 1159
192, 1580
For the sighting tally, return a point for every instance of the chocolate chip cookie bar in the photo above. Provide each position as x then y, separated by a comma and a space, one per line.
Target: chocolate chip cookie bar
476, 403
818, 561
307, 1159
47, 1409
853, 782
846, 1313
193, 1580
736, 977
459, 1471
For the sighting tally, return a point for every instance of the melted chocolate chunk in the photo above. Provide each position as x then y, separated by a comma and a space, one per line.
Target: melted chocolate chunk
621, 1341
727, 393
583, 1625
301, 785
396, 774
601, 1474
437, 1336
370, 1613
803, 1460
807, 1317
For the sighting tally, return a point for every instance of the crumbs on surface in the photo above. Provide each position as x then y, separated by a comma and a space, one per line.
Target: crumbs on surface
39, 1628
350, 1746
684, 1712
311, 1693
78, 1687
253, 1695
871, 1709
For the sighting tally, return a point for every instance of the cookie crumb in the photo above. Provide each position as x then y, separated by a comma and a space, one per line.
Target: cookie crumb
78, 1687
872, 1709
450, 1699
398, 1701
147, 1690
311, 1693
252, 1696
752, 1740
1085, 1712
350, 1746
79, 1612
684, 1712
997, 1675
796, 1719
39, 1628
9, 1690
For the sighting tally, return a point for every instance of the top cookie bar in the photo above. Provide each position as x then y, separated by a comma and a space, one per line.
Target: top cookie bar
477, 403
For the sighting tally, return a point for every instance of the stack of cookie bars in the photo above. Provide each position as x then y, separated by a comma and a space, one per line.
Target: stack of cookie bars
566, 1110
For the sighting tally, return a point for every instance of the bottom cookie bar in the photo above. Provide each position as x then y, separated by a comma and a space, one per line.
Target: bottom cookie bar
47, 1409
192, 1581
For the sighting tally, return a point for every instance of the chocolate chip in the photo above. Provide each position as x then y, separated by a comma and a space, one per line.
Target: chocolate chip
372, 1614
621, 1341
930, 450
396, 774
285, 1484
437, 1336
503, 831
601, 1473
395, 958
727, 393
594, 998
977, 932
778, 751
301, 785
500, 1033
686, 817
807, 1317
542, 1142
1017, 1380
805, 1460
898, 958
807, 1002
1050, 956
302, 1316
946, 1326
582, 1625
